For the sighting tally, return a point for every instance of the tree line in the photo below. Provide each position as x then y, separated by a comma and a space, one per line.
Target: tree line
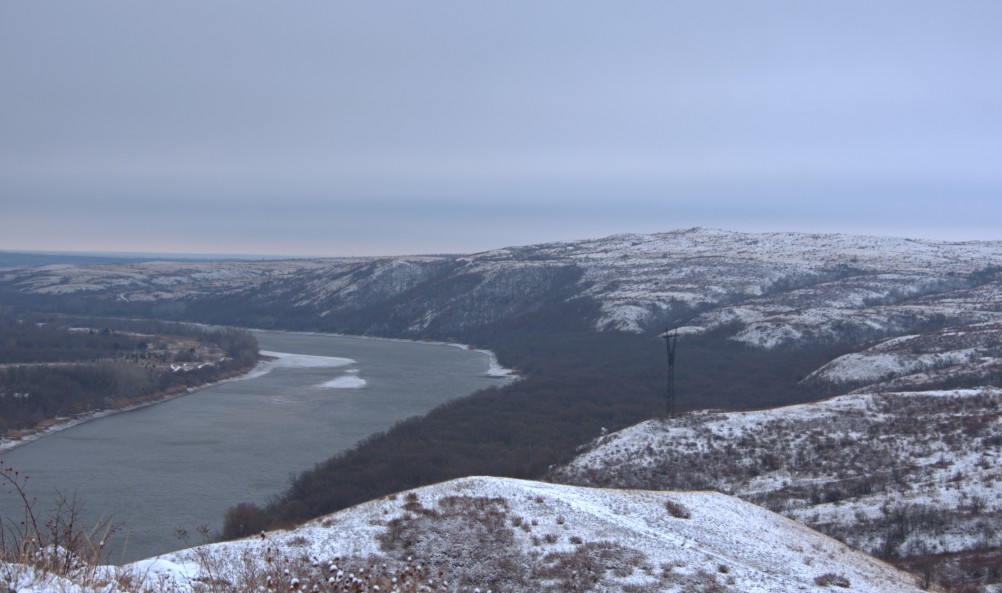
576, 383
48, 370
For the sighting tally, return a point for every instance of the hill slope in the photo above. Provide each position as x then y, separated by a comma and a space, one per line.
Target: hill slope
897, 474
766, 289
512, 535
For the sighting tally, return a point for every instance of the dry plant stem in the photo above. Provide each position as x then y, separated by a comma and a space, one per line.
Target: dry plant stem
14, 537
59, 545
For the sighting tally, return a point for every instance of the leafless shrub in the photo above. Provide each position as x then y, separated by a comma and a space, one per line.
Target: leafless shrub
271, 570
58, 543
677, 509
468, 536
832, 579
584, 567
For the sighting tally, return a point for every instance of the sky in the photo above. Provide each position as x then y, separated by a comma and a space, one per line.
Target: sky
324, 127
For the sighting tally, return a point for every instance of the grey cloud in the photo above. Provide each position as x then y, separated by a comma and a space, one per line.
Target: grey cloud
530, 120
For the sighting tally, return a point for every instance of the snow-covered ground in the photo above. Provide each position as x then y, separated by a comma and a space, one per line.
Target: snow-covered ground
512, 535
971, 354
892, 473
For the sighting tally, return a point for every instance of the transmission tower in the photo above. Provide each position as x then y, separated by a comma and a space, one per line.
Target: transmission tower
671, 339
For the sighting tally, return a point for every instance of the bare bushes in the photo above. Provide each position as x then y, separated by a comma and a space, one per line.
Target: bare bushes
243, 520
270, 569
832, 579
480, 544
467, 535
55, 544
677, 509
585, 566
56, 554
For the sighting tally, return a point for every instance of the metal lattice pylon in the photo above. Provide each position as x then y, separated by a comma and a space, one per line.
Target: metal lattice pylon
671, 339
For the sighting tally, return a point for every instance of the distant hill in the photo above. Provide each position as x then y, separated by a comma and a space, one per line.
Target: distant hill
765, 289
13, 260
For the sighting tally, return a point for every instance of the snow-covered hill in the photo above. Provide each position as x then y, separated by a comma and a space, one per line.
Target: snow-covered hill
892, 473
511, 535
766, 289
971, 354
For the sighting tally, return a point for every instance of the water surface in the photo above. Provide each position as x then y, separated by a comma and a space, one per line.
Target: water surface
182, 463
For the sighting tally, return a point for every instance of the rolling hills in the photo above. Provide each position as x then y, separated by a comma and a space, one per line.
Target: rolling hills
890, 349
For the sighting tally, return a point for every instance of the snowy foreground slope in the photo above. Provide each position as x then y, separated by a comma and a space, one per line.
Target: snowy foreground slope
512, 535
897, 474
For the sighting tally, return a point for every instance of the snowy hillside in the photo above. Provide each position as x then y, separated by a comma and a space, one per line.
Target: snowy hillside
892, 473
511, 535
766, 289
972, 354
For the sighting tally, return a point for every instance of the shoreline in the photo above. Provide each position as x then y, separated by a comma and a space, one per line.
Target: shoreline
494, 370
7, 444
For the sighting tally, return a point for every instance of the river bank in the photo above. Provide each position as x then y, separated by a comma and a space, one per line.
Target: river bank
494, 368
54, 425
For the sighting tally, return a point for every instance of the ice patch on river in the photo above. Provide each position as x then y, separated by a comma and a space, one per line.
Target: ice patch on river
305, 361
285, 360
349, 381
494, 368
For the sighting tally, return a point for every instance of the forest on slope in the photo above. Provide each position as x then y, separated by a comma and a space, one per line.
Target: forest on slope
576, 383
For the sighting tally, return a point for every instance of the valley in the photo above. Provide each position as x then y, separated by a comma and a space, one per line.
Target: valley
847, 382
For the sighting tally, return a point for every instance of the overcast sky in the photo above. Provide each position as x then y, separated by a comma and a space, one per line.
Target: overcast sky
347, 128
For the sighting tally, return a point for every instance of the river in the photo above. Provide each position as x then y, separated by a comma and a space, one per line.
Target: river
181, 463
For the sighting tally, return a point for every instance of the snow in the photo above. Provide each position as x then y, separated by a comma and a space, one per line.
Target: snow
636, 279
286, 360
878, 365
724, 541
828, 464
348, 381
532, 536
962, 353
494, 368
303, 361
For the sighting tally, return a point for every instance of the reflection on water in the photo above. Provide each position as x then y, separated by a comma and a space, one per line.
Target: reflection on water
182, 463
